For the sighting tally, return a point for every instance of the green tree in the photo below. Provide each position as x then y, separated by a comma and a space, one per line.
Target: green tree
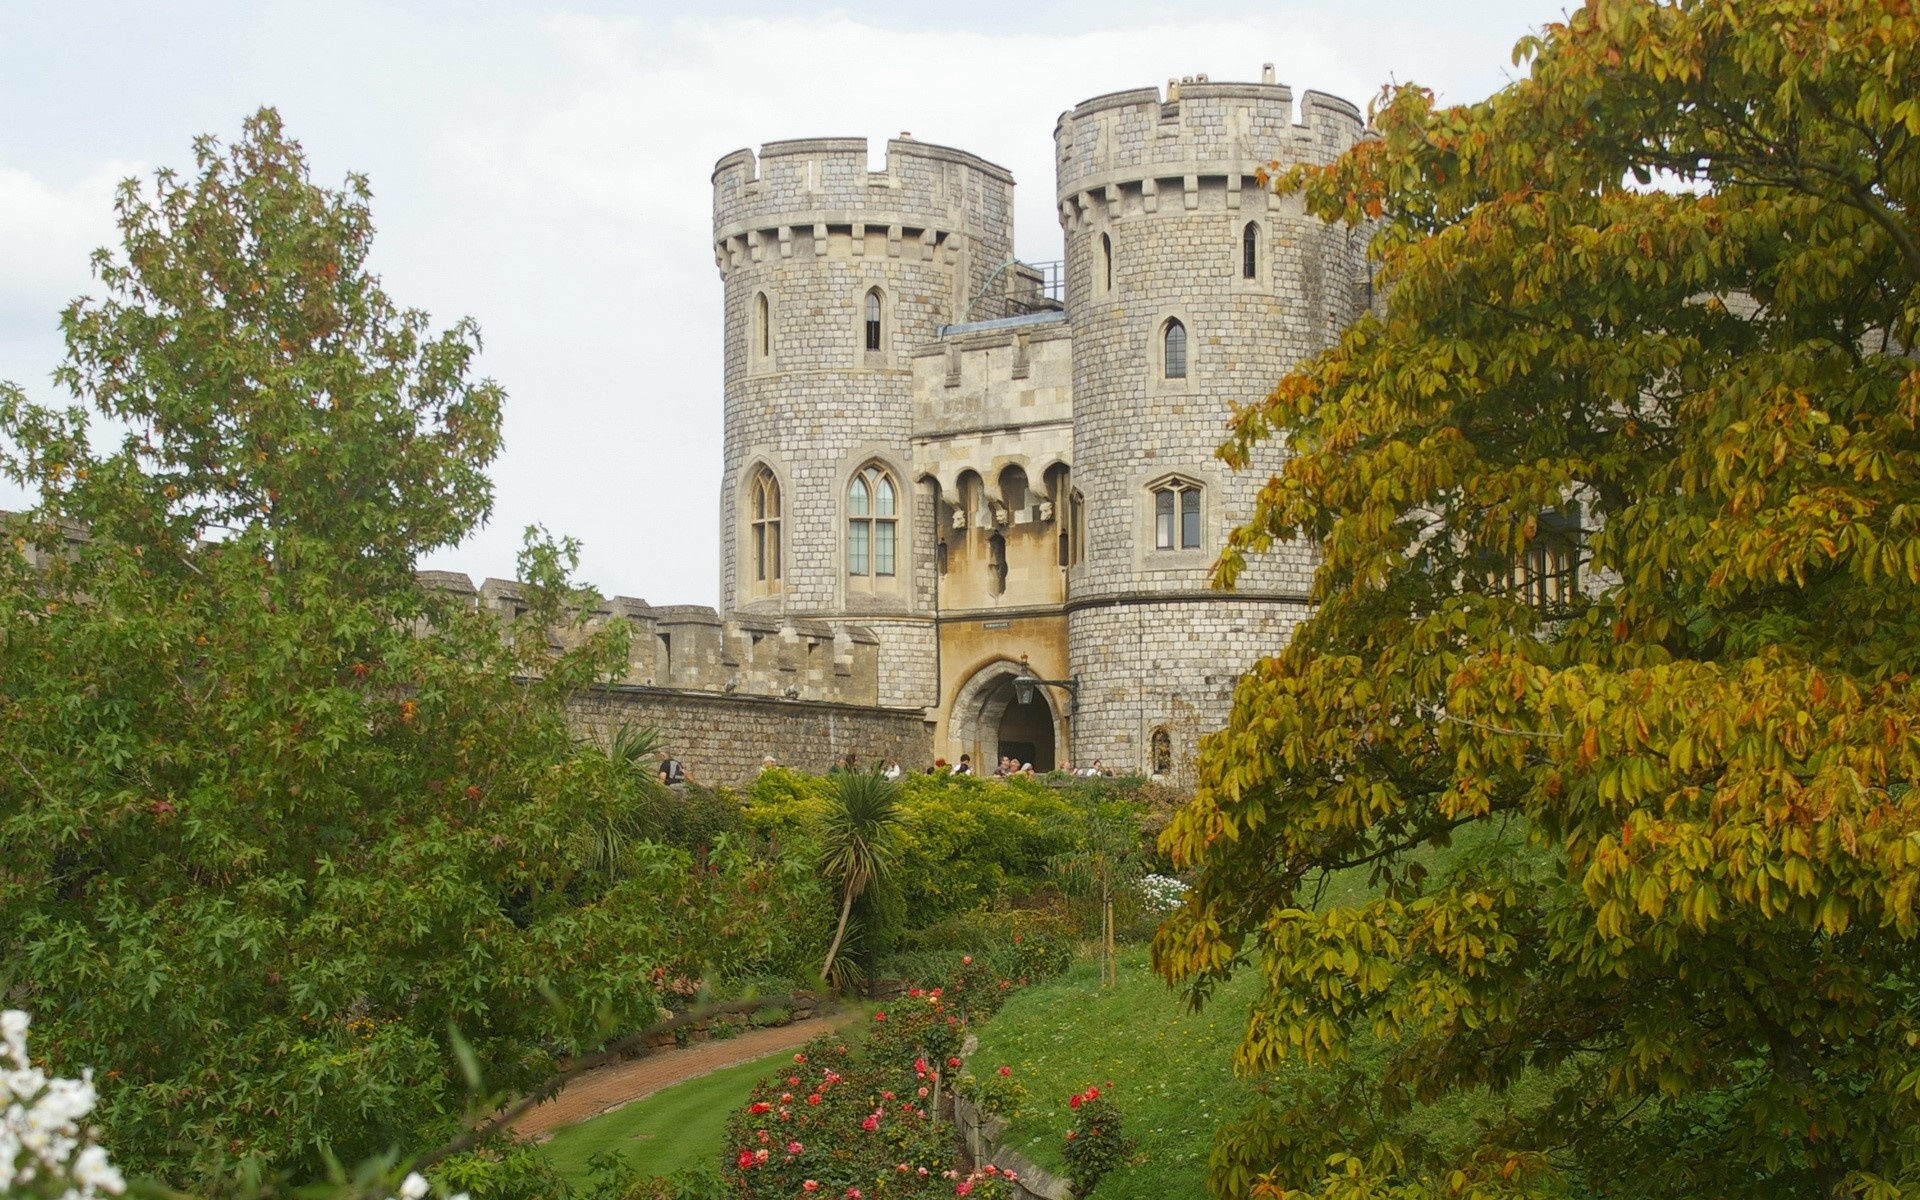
859, 842
1681, 959
274, 819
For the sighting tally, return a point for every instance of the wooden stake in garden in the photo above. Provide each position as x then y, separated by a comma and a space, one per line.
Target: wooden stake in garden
1113, 859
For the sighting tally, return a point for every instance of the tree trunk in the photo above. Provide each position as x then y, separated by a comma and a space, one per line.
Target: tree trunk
846, 907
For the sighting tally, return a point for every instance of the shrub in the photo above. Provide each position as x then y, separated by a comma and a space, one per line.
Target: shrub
995, 1094
839, 1127
1095, 1144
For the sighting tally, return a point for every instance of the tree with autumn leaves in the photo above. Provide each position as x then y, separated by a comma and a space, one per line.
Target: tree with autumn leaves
1650, 308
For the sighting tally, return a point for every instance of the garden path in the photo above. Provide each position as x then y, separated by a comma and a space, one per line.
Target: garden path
622, 1083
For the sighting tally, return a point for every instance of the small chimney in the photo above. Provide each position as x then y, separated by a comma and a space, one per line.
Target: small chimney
1266, 72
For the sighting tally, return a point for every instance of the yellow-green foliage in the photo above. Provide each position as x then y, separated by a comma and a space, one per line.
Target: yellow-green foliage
967, 841
1706, 395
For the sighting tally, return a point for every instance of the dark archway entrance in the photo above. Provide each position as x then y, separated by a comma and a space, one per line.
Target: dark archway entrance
988, 720
1026, 730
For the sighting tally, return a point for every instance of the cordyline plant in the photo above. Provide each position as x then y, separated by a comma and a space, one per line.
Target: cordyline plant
1687, 921
274, 819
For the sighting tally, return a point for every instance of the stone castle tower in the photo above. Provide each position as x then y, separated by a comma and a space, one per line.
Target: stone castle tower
834, 272
1001, 471
1190, 288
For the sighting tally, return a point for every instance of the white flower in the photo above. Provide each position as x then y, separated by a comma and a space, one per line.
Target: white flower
41, 1141
413, 1187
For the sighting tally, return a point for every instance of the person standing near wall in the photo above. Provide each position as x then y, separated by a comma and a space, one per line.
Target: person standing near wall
672, 772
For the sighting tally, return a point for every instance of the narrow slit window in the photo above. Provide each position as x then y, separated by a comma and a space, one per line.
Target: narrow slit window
1106, 261
1250, 251
873, 319
1176, 350
763, 324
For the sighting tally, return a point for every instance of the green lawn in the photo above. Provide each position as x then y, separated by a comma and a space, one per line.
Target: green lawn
1171, 1070
680, 1126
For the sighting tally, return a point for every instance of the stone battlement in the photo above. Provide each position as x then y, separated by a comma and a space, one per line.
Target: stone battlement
688, 647
1197, 135
817, 188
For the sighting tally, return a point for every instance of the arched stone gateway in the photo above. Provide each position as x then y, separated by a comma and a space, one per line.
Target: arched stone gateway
989, 721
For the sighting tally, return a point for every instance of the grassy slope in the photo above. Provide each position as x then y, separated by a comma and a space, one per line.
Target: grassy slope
1170, 1069
1173, 1068
680, 1126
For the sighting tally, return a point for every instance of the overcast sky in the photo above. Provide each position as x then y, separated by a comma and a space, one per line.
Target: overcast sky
543, 168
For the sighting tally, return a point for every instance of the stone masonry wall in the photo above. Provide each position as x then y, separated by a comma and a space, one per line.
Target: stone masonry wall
722, 739
1168, 664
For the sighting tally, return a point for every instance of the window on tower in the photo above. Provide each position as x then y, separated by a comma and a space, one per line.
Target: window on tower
873, 319
765, 493
762, 326
872, 521
1175, 342
1177, 514
1106, 262
1250, 250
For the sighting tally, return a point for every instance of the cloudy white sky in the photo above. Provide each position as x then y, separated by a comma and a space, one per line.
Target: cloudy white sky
543, 168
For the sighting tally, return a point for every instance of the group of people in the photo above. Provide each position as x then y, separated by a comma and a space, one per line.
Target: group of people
674, 773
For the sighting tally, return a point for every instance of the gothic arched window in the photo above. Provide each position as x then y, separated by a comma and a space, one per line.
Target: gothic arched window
872, 516
765, 492
1176, 515
1175, 361
1106, 261
873, 319
1250, 250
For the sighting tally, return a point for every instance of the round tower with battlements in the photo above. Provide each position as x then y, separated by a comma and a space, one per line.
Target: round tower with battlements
834, 271
1191, 288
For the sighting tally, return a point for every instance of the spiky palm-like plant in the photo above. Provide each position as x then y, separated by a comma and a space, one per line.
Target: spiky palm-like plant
860, 841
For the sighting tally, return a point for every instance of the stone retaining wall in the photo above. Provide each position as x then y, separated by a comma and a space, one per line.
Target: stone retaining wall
721, 739
981, 1136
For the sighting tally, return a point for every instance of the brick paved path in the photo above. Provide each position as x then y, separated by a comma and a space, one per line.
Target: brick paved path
622, 1083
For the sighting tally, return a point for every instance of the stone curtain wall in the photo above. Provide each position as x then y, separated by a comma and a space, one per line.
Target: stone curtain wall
722, 739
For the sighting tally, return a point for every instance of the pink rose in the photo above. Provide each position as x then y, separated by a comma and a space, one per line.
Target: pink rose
1006, 1070
812, 1185
795, 1148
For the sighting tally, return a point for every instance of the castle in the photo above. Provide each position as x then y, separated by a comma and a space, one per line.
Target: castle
970, 505
981, 463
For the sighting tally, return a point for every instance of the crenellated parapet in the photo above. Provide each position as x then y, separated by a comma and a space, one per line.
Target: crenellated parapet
1144, 151
816, 197
692, 648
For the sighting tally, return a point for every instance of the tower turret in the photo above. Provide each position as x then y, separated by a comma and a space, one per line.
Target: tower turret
1190, 288
833, 272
